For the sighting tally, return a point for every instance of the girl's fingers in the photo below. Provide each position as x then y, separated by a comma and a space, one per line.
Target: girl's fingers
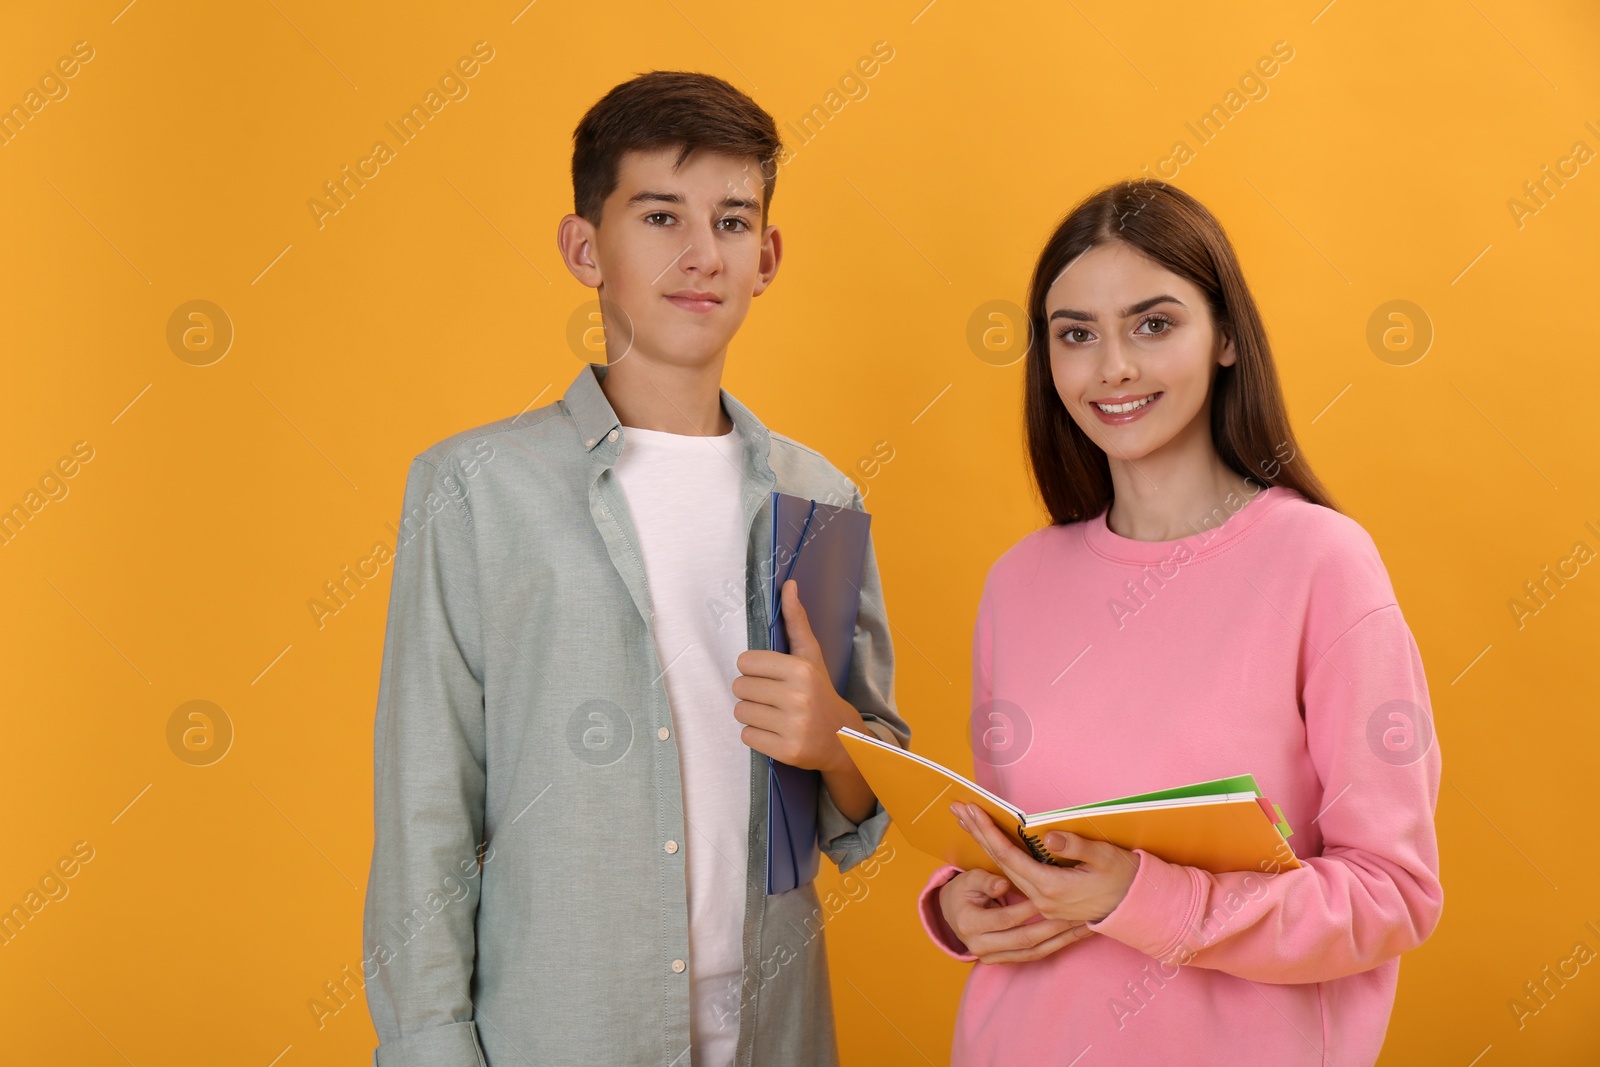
1048, 946
1004, 918
1011, 859
977, 828
1016, 938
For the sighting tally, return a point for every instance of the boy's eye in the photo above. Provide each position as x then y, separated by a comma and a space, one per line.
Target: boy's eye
731, 224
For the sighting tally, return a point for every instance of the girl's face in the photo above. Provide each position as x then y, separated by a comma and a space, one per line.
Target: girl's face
1132, 352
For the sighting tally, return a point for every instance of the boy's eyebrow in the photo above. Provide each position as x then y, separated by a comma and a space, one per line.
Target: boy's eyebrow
1132, 309
651, 196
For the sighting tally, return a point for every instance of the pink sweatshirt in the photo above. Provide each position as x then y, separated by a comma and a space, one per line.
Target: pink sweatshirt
1271, 644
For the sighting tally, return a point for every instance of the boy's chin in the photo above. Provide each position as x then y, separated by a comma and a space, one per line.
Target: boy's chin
686, 348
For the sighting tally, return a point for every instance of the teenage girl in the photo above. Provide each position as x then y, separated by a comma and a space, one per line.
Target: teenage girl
1198, 609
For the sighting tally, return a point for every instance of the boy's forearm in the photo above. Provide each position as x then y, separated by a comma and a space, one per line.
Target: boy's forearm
850, 792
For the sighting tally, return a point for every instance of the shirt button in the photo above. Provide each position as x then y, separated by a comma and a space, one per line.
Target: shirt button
612, 436
671, 846
589, 443
677, 966
663, 733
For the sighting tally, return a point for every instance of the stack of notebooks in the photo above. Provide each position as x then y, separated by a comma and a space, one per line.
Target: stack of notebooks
1220, 825
823, 547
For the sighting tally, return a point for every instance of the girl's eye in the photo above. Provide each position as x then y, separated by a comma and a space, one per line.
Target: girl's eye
1164, 322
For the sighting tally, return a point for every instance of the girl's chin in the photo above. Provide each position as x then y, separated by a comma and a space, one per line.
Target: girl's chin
1142, 434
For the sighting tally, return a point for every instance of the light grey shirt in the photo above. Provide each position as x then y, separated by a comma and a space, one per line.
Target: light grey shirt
526, 903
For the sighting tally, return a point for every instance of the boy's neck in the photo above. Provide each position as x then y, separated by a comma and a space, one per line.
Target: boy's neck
672, 399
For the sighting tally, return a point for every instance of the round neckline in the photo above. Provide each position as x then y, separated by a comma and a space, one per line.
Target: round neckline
680, 440
1106, 542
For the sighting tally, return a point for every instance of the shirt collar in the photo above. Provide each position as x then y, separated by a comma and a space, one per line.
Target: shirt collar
593, 415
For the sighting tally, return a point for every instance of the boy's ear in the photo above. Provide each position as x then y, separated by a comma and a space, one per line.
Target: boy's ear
771, 256
576, 240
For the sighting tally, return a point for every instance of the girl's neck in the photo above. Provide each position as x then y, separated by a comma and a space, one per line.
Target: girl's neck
1163, 496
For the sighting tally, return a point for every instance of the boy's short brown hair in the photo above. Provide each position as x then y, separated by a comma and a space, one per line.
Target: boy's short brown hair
667, 108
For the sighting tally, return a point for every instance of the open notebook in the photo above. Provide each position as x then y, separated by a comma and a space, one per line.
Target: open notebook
1221, 825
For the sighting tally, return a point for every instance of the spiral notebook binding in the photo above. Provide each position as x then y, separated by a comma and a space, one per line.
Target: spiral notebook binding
1036, 846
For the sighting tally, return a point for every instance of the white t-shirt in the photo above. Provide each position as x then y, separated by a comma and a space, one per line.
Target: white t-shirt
684, 496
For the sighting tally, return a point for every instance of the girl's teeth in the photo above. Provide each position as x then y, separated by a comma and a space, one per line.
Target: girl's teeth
1119, 409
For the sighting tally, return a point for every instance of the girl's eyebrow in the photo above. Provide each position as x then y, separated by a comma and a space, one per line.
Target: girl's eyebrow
1132, 309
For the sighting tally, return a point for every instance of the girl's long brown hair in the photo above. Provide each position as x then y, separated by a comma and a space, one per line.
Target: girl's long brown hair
1249, 425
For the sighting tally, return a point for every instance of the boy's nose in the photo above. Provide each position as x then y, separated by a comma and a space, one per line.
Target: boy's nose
701, 256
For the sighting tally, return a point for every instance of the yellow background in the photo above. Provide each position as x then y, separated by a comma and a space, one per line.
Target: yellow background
1378, 167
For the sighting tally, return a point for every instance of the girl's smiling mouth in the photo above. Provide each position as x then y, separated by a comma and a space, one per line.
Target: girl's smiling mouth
1116, 410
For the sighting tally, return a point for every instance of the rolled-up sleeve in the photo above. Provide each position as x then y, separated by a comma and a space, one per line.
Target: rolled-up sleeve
870, 689
428, 785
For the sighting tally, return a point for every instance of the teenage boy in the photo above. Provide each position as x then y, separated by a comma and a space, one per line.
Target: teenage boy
577, 688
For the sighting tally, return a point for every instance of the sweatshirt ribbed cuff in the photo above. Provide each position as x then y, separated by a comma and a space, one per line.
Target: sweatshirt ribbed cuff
1158, 910
932, 915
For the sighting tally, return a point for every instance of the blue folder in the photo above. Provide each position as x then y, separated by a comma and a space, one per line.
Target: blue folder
824, 549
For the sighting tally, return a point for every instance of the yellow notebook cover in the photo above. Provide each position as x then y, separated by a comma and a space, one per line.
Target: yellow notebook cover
1220, 832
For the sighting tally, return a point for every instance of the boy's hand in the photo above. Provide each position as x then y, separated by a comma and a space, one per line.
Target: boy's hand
787, 701
974, 908
1088, 891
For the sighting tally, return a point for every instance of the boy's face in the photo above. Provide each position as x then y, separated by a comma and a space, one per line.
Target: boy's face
678, 255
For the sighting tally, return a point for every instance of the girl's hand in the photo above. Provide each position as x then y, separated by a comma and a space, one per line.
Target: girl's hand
996, 932
1087, 892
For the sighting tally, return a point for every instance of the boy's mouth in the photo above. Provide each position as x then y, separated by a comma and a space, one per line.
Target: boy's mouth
695, 300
